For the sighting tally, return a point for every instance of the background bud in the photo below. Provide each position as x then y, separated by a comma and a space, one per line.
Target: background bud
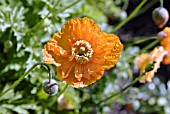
50, 88
150, 66
160, 16
161, 35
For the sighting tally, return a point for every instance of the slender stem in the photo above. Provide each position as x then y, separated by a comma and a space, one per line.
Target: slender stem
150, 45
120, 92
146, 7
130, 16
62, 91
126, 3
68, 6
161, 3
142, 39
54, 99
25, 74
131, 59
42, 20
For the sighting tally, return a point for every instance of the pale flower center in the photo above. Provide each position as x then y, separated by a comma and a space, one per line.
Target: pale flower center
82, 51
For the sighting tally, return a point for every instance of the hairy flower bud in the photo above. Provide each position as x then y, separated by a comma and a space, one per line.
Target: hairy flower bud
160, 16
150, 66
50, 88
161, 35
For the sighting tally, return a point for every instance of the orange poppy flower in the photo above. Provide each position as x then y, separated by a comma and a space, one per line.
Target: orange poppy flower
81, 52
165, 42
142, 60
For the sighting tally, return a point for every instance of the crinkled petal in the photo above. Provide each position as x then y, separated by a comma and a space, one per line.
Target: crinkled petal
147, 77
111, 48
80, 29
62, 41
142, 61
78, 72
165, 42
81, 76
157, 55
54, 54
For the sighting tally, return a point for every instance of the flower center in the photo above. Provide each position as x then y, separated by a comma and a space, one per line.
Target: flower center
82, 51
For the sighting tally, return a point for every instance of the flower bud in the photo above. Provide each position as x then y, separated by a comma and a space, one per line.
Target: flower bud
160, 16
161, 35
50, 88
150, 66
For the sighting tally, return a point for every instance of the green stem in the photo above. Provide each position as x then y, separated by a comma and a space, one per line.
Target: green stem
23, 76
130, 16
69, 6
131, 59
54, 99
146, 7
161, 3
142, 39
62, 91
150, 46
120, 92
42, 20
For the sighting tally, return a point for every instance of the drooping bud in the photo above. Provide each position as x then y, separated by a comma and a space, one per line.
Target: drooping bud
150, 66
51, 87
160, 16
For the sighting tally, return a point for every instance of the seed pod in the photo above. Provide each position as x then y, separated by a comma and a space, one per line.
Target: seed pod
161, 35
150, 66
50, 88
160, 16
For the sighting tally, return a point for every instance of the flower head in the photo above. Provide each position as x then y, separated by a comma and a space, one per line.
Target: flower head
160, 16
51, 87
165, 42
81, 52
144, 59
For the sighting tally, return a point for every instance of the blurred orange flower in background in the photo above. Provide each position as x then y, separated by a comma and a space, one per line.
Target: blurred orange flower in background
81, 52
142, 60
165, 42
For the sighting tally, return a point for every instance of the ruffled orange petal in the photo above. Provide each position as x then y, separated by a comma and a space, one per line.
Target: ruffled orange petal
81, 76
62, 41
165, 42
147, 77
91, 74
79, 29
157, 55
111, 47
142, 60
78, 72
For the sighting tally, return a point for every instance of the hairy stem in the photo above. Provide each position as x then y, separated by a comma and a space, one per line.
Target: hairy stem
161, 3
142, 40
42, 20
120, 92
25, 74
150, 45
130, 16
54, 99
